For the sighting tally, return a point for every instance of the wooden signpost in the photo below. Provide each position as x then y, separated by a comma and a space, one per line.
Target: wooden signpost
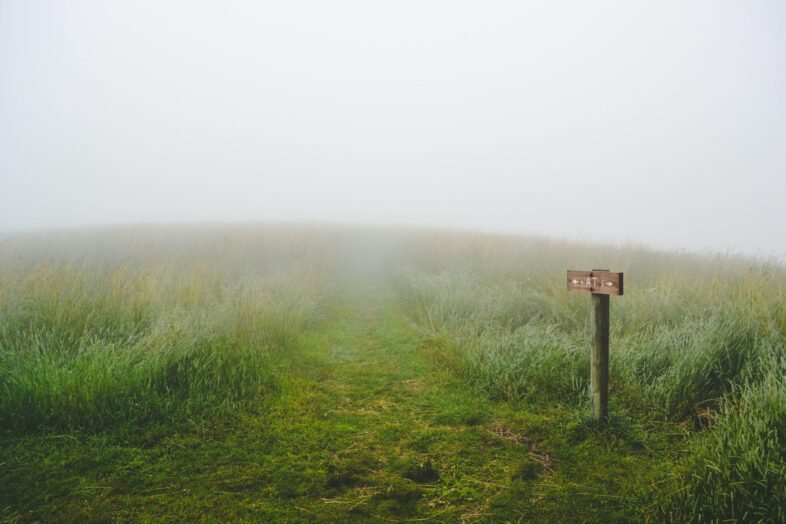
601, 283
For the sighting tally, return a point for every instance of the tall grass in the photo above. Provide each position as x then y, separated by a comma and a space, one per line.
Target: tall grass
110, 339
737, 470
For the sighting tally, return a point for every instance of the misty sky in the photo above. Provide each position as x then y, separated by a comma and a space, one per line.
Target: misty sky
654, 122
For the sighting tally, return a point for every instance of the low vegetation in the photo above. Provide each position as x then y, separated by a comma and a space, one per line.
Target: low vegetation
300, 373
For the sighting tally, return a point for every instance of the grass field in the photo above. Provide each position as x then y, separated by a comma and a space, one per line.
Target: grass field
332, 374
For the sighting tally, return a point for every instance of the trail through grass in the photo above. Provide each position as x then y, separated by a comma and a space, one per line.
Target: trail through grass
365, 425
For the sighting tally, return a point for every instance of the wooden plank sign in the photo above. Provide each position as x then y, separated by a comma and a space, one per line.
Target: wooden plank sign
598, 282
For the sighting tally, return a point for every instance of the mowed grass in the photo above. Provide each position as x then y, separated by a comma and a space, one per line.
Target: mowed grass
295, 373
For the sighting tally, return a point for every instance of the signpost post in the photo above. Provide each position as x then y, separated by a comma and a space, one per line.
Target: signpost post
601, 283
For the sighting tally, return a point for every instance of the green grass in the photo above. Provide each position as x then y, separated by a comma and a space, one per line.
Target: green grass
89, 348
696, 342
293, 373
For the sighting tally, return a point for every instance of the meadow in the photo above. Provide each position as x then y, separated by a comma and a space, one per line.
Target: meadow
255, 372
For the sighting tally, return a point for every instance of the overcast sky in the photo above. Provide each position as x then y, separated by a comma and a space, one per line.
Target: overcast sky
654, 122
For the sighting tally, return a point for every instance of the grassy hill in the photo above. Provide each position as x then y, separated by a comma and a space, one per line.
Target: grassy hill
326, 373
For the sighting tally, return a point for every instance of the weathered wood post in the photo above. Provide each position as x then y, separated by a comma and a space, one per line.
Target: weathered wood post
599, 372
601, 283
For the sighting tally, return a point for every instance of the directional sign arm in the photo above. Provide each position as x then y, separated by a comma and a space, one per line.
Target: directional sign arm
598, 282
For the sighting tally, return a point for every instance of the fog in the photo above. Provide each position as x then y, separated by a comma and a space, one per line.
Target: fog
657, 123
